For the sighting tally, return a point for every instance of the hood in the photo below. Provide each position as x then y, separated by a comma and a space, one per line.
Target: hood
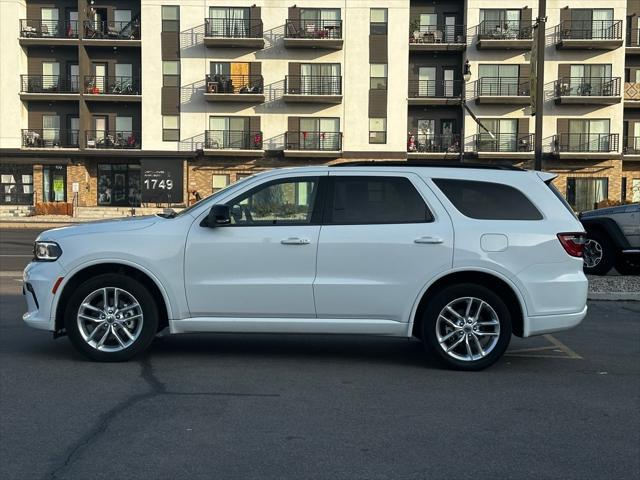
123, 224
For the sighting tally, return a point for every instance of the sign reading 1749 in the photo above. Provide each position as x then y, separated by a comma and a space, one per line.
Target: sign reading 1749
155, 183
162, 180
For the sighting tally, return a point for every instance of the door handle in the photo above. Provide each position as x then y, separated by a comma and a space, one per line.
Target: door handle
428, 240
295, 241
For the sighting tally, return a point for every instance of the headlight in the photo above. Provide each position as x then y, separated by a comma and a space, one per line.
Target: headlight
46, 251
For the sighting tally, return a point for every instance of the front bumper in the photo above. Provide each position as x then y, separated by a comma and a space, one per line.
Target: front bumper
38, 281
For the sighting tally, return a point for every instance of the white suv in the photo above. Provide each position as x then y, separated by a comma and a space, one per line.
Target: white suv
458, 257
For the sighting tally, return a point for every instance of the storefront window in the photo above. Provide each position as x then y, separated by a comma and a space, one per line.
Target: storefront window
585, 193
54, 183
16, 184
119, 185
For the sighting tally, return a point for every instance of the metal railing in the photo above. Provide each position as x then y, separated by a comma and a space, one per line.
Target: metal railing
233, 28
587, 86
631, 146
633, 37
106, 85
38, 28
589, 30
504, 142
234, 84
504, 30
585, 142
316, 29
325, 141
112, 30
425, 33
313, 85
49, 84
49, 138
501, 87
430, 143
117, 139
233, 139
435, 88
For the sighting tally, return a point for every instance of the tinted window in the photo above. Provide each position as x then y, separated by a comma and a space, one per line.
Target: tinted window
358, 200
488, 201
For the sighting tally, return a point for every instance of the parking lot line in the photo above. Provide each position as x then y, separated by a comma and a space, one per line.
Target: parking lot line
555, 346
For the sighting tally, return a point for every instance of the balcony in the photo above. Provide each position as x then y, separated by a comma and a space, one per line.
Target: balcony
49, 87
586, 145
504, 145
112, 33
435, 92
313, 89
234, 88
437, 38
588, 35
631, 95
631, 148
49, 138
112, 139
233, 143
504, 35
48, 32
633, 42
235, 33
587, 91
502, 91
111, 89
313, 144
436, 147
326, 34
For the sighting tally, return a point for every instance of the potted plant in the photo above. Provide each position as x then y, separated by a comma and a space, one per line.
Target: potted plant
414, 28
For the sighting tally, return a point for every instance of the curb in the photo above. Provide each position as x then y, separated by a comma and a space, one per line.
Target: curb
614, 296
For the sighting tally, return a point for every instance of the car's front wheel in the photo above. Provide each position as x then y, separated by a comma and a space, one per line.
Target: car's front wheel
466, 326
111, 318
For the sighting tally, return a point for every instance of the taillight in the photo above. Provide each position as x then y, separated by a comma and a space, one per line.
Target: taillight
573, 243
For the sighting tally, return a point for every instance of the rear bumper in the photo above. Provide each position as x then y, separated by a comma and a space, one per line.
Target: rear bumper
38, 280
541, 324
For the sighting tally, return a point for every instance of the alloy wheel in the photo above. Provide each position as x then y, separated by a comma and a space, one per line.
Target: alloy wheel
592, 253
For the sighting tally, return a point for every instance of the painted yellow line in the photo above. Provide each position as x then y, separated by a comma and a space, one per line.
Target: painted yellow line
570, 353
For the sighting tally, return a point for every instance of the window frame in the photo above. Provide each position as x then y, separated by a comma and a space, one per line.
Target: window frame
378, 78
379, 28
165, 131
383, 132
170, 24
175, 76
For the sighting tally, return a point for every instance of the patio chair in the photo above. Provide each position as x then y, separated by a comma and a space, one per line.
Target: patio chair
437, 36
29, 31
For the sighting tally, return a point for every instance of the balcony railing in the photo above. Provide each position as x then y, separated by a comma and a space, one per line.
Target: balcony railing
427, 143
49, 138
112, 30
233, 140
633, 37
313, 85
502, 87
504, 142
437, 34
631, 91
631, 146
323, 141
49, 84
504, 30
586, 142
435, 88
314, 29
232, 28
116, 139
239, 84
37, 28
587, 86
589, 30
105, 85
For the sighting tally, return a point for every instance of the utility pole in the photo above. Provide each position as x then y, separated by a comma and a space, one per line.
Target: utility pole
539, 81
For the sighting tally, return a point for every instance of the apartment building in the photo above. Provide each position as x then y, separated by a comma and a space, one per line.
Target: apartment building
134, 104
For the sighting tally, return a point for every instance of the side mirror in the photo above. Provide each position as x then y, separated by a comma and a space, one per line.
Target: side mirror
219, 215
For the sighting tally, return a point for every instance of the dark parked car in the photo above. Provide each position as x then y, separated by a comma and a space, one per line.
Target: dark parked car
613, 240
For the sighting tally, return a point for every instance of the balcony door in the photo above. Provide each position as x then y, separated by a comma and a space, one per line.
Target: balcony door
320, 79
74, 130
228, 132
72, 27
100, 127
229, 22
448, 128
505, 132
50, 22
50, 76
500, 23
428, 22
51, 130
449, 28
427, 81
589, 79
99, 77
499, 80
121, 18
320, 133
449, 74
124, 131
123, 83
589, 135
74, 77
636, 137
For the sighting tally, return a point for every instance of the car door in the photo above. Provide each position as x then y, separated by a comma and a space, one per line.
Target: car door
384, 236
263, 263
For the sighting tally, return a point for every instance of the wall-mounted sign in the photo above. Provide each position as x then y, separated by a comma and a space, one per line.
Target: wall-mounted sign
162, 180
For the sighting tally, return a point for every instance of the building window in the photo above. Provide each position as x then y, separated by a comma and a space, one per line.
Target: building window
170, 128
378, 76
170, 18
119, 185
54, 183
16, 184
171, 73
218, 182
378, 21
635, 190
377, 130
586, 193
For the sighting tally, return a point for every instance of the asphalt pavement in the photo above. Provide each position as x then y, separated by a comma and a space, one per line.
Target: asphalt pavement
317, 407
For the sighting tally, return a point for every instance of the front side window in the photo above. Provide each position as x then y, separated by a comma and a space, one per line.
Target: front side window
361, 200
283, 202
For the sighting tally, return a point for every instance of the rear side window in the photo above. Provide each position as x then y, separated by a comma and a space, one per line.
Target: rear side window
488, 201
374, 200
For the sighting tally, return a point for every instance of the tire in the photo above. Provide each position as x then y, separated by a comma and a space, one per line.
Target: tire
494, 319
626, 266
90, 328
599, 254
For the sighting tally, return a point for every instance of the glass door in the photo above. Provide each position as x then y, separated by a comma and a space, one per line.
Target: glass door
123, 83
229, 22
50, 24
72, 26
99, 78
100, 125
54, 183
576, 80
507, 135
124, 131
51, 130
581, 23
427, 81
74, 78
636, 137
448, 128
602, 23
448, 82
74, 131
50, 76
309, 133
599, 135
449, 28
426, 135
428, 22
578, 136
329, 134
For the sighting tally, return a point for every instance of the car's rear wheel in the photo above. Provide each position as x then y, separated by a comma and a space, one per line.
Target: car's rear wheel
111, 318
466, 327
627, 266
598, 254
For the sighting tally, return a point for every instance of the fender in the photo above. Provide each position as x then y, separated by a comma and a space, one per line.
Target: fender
611, 228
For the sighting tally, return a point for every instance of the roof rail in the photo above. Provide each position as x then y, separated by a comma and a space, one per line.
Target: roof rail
414, 163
